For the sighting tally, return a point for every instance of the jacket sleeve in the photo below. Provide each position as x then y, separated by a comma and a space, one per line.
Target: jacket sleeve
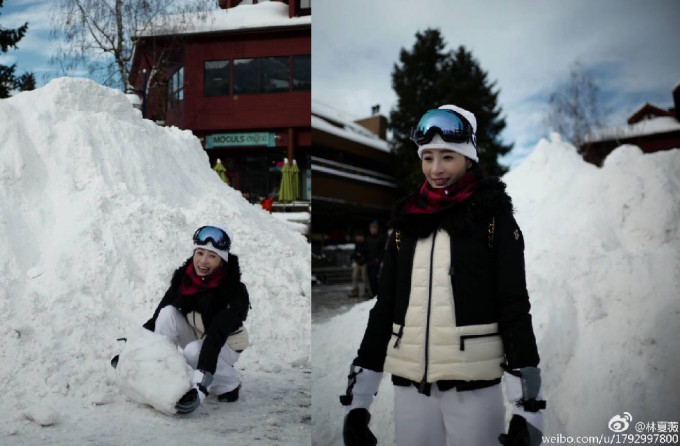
371, 354
169, 296
225, 322
515, 324
167, 300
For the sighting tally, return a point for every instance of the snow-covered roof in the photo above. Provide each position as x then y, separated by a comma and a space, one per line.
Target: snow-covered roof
326, 119
662, 124
267, 14
352, 176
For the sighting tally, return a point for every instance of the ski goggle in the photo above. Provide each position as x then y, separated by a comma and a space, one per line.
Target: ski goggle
219, 239
451, 126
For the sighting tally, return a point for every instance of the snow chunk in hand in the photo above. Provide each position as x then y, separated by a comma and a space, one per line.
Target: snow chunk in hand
152, 371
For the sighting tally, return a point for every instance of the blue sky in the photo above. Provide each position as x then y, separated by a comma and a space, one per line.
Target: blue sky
35, 49
527, 47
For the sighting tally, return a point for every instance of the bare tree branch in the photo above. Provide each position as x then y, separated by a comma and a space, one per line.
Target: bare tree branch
575, 109
98, 34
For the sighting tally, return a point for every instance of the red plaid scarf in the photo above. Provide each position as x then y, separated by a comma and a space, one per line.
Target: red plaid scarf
192, 283
429, 200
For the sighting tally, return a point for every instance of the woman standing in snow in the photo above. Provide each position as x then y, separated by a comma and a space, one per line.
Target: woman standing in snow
203, 312
452, 313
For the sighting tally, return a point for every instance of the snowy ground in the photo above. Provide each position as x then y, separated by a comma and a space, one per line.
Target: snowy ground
602, 257
273, 410
97, 209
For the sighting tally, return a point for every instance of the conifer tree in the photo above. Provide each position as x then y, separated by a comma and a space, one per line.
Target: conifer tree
8, 81
428, 76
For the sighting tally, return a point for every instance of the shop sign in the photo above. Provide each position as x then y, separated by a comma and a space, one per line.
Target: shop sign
240, 139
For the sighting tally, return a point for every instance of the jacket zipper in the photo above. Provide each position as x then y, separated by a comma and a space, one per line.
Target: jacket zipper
424, 387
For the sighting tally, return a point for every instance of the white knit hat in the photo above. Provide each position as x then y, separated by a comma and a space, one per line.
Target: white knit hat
467, 149
223, 253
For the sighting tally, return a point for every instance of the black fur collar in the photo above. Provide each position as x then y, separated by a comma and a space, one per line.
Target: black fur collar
489, 199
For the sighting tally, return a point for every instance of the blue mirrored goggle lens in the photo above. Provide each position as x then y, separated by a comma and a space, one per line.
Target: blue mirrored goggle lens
451, 126
216, 236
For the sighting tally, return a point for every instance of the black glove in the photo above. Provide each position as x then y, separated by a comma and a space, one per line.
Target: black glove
355, 431
195, 396
518, 433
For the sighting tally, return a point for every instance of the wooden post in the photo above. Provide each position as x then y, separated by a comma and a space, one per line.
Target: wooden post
290, 153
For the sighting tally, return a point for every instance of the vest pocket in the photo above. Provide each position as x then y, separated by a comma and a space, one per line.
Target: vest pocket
464, 338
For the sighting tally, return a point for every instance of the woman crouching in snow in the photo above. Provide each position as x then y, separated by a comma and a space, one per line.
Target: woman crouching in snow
203, 312
452, 312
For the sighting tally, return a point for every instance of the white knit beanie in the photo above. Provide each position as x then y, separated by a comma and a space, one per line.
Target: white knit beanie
224, 254
467, 149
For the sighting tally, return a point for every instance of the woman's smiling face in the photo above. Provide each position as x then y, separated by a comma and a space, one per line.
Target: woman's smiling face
442, 168
206, 262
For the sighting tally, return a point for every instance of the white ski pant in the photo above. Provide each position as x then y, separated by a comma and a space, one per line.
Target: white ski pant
449, 418
173, 324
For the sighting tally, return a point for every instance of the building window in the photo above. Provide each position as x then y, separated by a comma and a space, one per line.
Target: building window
275, 78
261, 75
176, 88
304, 4
247, 73
302, 72
216, 78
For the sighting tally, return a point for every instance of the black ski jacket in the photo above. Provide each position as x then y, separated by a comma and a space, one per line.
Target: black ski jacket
223, 309
487, 275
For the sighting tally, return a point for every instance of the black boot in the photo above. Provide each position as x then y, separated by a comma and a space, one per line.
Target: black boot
229, 397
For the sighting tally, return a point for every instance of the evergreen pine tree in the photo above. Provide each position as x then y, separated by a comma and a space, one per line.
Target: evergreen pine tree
8, 81
428, 76
26, 82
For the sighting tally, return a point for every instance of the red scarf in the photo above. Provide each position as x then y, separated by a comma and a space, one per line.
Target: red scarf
192, 283
430, 200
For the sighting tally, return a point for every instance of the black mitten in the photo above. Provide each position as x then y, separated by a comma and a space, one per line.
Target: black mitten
355, 431
518, 433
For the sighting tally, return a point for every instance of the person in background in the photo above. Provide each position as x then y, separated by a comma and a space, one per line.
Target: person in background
266, 202
203, 312
359, 267
245, 193
375, 249
452, 312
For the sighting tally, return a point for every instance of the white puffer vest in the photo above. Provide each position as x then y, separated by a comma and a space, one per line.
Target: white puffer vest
431, 346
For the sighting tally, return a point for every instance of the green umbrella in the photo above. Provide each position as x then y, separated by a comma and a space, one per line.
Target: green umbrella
286, 188
221, 171
295, 174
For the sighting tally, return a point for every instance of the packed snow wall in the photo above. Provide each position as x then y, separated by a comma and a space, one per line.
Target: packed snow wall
98, 207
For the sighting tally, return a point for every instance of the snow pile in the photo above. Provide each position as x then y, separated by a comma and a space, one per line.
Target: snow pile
98, 210
602, 256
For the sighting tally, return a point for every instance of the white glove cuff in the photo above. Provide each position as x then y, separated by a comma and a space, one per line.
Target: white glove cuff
523, 387
365, 388
526, 387
201, 378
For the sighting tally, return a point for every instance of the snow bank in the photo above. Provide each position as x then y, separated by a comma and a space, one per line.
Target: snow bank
98, 207
602, 256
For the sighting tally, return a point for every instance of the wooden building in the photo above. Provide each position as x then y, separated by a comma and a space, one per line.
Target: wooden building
352, 183
650, 127
240, 79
